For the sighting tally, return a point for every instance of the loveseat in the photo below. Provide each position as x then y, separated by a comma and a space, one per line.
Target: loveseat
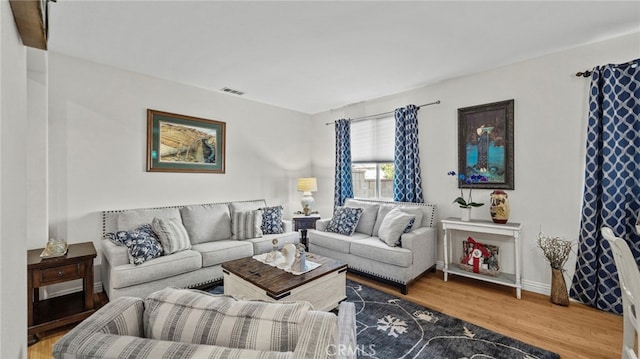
393, 246
195, 241
186, 323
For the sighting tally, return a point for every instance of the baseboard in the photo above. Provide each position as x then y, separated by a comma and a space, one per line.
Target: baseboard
528, 285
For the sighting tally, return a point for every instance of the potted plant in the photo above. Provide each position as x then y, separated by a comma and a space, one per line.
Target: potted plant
556, 250
467, 204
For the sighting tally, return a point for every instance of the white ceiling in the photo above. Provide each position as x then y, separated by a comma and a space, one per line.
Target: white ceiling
313, 56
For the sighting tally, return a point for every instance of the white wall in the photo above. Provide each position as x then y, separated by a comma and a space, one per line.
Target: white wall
550, 125
13, 213
38, 143
97, 148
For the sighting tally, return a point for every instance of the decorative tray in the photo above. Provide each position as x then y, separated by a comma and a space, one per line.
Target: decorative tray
280, 263
54, 251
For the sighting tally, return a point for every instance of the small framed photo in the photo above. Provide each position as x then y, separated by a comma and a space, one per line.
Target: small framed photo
485, 145
179, 143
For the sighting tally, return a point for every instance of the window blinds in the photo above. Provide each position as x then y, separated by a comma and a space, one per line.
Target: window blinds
372, 141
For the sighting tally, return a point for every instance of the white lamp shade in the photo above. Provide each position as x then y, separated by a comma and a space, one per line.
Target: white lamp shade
309, 184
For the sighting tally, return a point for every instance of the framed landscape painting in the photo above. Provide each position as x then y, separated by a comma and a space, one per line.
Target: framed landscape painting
485, 144
179, 143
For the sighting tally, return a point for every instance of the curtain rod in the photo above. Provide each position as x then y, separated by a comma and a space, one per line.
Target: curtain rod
384, 113
587, 73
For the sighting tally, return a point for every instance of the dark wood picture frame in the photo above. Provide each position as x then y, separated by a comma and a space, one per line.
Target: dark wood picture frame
179, 143
485, 144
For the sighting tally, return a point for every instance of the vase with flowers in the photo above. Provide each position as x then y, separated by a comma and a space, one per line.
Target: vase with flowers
466, 204
556, 250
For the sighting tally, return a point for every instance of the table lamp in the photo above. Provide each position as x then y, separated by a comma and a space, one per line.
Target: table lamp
306, 186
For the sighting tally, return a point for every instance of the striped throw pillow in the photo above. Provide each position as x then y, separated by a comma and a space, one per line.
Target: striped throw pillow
246, 224
172, 234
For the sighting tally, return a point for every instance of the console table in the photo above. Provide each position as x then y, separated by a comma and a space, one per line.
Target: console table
55, 312
507, 231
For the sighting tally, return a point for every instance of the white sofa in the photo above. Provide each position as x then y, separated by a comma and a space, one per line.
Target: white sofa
209, 231
366, 254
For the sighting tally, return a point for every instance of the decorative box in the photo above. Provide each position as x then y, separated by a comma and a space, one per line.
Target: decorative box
488, 262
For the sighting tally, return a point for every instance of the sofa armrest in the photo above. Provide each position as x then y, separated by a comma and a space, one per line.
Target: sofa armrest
422, 244
322, 223
122, 316
318, 336
116, 255
287, 225
347, 331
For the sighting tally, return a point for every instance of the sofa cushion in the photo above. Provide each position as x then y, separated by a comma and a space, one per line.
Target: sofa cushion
368, 217
162, 267
206, 223
246, 224
109, 346
172, 234
373, 248
134, 218
393, 225
188, 316
272, 220
344, 220
334, 241
217, 252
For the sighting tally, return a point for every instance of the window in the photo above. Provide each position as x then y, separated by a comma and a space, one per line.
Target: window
372, 180
372, 145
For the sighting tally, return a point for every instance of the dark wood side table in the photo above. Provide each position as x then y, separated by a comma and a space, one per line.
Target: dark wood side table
67, 309
302, 223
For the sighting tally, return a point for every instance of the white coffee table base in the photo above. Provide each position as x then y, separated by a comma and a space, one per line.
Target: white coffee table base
324, 293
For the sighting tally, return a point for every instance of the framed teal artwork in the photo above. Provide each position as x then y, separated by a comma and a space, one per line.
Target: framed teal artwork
179, 143
485, 145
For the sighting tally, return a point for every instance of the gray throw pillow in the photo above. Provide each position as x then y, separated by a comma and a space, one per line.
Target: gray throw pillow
246, 224
172, 234
393, 225
415, 211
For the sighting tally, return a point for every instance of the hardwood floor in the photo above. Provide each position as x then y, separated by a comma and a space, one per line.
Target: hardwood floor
576, 331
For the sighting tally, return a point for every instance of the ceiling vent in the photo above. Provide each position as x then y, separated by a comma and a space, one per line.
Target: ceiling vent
232, 91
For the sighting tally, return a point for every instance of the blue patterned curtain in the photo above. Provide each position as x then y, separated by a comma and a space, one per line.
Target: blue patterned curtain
343, 182
407, 182
611, 187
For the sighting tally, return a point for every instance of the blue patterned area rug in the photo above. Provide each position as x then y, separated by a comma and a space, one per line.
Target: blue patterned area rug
389, 327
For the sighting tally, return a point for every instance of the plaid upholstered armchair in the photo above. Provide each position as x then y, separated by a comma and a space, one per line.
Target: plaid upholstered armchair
183, 323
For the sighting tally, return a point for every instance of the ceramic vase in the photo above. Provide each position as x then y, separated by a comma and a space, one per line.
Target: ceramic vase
499, 207
465, 214
559, 293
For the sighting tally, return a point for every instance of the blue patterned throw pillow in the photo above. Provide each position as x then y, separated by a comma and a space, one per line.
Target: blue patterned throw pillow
141, 243
409, 226
118, 238
272, 220
345, 220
